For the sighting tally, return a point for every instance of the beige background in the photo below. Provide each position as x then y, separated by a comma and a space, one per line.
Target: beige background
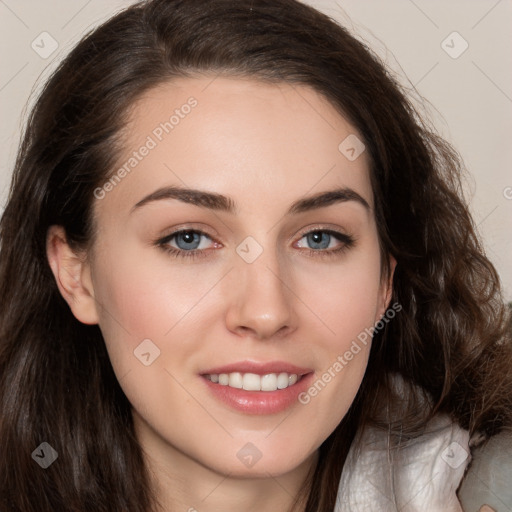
469, 97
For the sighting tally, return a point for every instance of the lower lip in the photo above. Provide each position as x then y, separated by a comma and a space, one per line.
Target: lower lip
259, 402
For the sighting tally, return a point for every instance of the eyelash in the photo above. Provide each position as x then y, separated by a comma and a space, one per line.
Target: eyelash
348, 242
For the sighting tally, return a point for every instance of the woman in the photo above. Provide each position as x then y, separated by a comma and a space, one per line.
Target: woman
233, 259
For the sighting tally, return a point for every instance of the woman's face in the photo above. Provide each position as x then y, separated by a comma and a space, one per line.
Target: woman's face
265, 280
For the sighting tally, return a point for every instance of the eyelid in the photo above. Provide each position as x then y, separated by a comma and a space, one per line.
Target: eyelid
176, 230
321, 227
346, 240
180, 254
308, 229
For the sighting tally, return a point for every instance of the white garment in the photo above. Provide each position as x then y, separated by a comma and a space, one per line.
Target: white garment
420, 475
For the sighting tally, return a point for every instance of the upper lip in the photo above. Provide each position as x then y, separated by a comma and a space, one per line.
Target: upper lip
259, 368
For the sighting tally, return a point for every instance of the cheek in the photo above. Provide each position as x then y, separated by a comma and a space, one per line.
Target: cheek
144, 286
140, 298
345, 296
346, 299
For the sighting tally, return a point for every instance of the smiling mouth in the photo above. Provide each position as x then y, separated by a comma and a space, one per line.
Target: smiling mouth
253, 381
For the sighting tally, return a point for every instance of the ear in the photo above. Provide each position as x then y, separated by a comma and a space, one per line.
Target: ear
386, 290
73, 276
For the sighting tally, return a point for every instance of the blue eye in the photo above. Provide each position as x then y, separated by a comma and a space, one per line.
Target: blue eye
188, 243
319, 242
186, 239
319, 239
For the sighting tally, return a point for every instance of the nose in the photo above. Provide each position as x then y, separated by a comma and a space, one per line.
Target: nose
262, 302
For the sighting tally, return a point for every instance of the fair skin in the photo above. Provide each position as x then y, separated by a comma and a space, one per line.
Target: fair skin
265, 146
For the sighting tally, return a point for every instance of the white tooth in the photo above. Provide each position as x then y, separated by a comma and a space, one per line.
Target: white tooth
235, 380
254, 382
251, 382
282, 381
269, 382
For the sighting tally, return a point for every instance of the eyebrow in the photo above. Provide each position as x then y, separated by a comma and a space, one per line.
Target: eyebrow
219, 202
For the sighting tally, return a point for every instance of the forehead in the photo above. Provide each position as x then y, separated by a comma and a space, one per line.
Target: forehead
257, 142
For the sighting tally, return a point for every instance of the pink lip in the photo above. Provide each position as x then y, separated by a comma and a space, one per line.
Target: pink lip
258, 368
259, 402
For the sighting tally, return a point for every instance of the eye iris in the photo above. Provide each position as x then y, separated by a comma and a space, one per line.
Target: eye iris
319, 239
188, 237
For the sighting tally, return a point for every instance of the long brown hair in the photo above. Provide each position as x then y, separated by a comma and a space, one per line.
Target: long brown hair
57, 385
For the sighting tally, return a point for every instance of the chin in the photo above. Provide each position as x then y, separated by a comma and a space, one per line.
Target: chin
250, 462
